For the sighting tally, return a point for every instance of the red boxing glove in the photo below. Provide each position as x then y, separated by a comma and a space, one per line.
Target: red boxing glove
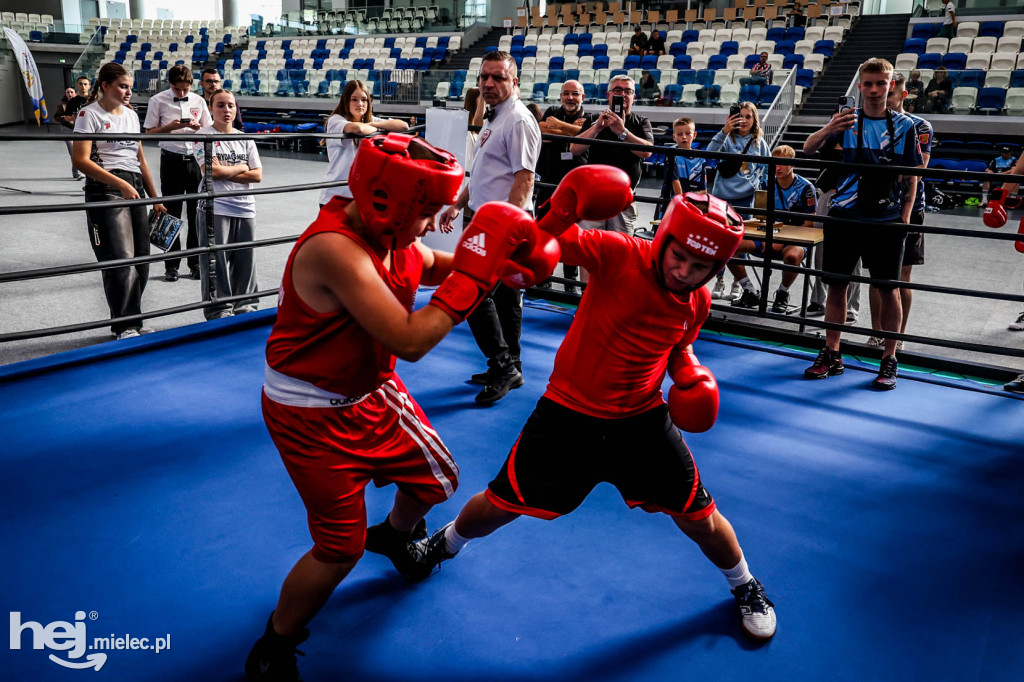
587, 193
995, 212
497, 230
533, 262
1019, 245
693, 398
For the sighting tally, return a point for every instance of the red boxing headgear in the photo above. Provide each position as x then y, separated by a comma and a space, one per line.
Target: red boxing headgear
390, 187
704, 225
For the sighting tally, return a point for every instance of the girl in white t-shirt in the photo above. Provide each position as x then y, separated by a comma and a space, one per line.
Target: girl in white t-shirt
236, 165
354, 116
116, 170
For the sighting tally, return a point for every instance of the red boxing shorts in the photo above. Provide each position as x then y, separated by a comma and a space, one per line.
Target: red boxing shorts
331, 453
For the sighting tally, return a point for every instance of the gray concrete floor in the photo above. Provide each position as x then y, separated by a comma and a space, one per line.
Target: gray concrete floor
39, 173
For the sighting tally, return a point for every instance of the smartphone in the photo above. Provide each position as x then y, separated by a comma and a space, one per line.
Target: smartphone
186, 121
847, 102
734, 110
618, 105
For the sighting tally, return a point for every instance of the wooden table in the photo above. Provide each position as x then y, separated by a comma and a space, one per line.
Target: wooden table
808, 237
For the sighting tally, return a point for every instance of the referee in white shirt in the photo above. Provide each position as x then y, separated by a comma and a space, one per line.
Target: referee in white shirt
171, 111
504, 161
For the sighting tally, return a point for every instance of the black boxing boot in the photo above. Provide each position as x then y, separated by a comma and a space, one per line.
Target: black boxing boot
273, 656
385, 540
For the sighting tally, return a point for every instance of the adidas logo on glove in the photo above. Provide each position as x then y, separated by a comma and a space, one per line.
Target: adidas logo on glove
476, 245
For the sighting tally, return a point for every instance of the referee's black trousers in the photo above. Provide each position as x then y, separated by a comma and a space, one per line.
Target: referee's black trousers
497, 324
181, 175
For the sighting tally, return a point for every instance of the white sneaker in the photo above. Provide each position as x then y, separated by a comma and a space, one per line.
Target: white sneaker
128, 334
1017, 326
242, 309
737, 292
757, 612
719, 289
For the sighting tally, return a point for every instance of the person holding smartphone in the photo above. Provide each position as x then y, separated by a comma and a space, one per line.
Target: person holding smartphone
736, 180
617, 123
881, 137
178, 110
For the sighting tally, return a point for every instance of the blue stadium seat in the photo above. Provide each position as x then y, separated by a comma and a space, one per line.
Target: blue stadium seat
540, 91
991, 29
518, 39
717, 61
686, 77
556, 63
676, 49
649, 61
574, 74
599, 50
805, 78
1017, 79
925, 31
793, 61
776, 33
582, 50
601, 62
681, 61
768, 93
632, 62
795, 33
567, 39
914, 45
974, 78
709, 96
929, 60
954, 61
690, 35
590, 90
673, 92
750, 93
556, 76
825, 47
705, 77
785, 47
991, 99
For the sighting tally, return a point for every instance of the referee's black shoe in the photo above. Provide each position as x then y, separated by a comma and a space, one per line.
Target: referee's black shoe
171, 274
499, 385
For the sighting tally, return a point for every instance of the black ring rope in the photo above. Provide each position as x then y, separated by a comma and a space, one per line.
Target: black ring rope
767, 264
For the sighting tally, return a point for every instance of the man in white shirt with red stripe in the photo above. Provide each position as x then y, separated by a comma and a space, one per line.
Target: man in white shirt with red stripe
504, 162
178, 110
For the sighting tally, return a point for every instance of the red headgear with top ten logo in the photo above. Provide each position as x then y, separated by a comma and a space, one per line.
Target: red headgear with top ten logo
390, 187
704, 225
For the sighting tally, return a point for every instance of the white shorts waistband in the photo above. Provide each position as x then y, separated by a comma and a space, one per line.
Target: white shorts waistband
287, 390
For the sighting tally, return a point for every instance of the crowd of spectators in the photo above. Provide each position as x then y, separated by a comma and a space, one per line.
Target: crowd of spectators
506, 171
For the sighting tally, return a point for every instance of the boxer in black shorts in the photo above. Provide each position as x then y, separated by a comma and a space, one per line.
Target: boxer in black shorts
603, 417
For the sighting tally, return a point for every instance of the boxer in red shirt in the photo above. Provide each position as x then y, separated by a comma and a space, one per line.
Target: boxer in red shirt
334, 407
603, 417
